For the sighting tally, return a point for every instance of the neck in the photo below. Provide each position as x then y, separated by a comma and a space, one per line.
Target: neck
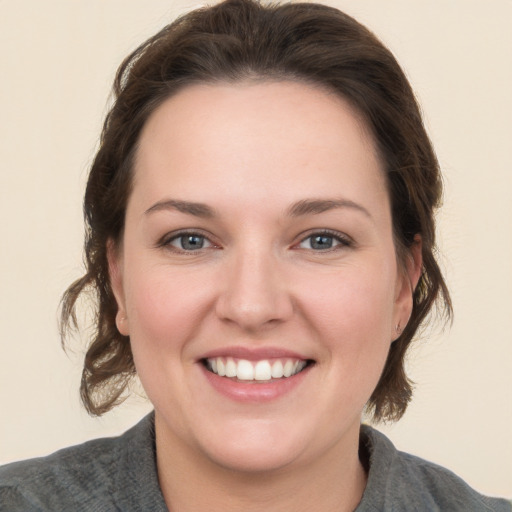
190, 482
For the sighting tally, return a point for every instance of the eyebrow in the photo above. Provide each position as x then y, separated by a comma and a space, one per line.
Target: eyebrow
298, 209
316, 206
191, 208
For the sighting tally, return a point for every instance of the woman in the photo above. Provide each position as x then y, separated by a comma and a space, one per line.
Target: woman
261, 244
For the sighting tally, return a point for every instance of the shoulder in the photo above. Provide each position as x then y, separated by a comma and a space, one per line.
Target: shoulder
89, 476
62, 478
400, 481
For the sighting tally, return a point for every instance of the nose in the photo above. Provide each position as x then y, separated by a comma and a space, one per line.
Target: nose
254, 293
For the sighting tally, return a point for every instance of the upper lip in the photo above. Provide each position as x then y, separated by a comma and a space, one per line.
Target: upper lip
254, 353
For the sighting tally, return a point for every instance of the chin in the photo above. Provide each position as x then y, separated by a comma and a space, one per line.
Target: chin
245, 458
258, 447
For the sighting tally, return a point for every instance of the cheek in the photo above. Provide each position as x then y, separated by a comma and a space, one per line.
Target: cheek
352, 301
165, 307
165, 311
352, 316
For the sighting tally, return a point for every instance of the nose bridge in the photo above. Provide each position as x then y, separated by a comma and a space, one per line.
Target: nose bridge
254, 292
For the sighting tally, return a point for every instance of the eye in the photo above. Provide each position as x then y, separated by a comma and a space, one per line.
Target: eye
324, 241
187, 242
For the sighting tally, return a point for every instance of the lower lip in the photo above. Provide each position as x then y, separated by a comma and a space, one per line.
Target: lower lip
254, 391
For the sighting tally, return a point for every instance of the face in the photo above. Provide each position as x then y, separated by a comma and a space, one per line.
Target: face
257, 277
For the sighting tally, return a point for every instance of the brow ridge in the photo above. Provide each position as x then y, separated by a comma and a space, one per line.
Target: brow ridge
316, 206
189, 207
300, 208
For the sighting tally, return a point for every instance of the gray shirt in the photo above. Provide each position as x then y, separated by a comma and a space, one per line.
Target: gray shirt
119, 474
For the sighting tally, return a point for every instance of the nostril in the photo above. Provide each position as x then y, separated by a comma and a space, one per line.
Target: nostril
255, 293
253, 313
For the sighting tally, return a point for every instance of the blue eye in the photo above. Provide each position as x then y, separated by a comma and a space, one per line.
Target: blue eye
323, 242
189, 242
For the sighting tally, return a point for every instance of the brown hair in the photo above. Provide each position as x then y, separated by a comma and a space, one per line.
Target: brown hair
239, 40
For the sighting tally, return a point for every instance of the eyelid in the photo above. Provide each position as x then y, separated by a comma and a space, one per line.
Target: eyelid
344, 239
165, 240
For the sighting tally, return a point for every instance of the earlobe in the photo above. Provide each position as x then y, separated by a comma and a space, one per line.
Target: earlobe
114, 258
122, 324
411, 273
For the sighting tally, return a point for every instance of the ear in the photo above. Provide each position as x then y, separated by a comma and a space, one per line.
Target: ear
407, 280
115, 270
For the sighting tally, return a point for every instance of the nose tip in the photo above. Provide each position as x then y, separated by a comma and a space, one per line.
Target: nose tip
254, 296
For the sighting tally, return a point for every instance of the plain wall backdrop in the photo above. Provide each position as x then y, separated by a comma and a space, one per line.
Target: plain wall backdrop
57, 64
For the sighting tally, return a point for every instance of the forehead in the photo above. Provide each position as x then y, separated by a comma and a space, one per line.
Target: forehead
259, 138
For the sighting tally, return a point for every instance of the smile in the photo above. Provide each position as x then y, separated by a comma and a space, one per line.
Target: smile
264, 370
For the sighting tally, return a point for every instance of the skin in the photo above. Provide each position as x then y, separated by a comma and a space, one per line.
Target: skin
250, 152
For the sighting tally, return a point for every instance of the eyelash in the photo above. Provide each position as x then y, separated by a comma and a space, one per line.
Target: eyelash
343, 240
166, 242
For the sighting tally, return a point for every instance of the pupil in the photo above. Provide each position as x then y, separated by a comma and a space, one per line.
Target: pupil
321, 242
191, 242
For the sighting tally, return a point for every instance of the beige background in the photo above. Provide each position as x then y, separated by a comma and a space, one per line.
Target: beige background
57, 62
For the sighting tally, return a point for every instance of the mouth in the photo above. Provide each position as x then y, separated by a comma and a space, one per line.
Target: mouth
261, 371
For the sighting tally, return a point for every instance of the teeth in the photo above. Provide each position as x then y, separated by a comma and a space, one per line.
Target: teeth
277, 370
230, 368
245, 370
221, 368
288, 369
262, 370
